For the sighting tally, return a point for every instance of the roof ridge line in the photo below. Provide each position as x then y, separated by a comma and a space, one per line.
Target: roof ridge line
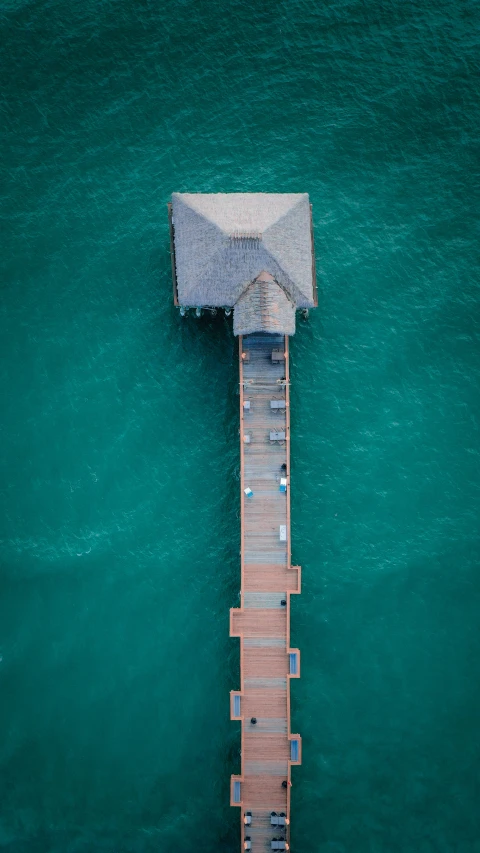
294, 288
257, 280
198, 212
286, 213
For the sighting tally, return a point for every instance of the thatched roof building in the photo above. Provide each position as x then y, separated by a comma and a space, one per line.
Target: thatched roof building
252, 252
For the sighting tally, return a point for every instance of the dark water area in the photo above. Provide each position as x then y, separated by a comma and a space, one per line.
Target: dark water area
119, 529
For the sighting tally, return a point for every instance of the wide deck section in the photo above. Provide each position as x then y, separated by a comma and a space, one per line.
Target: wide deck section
262, 622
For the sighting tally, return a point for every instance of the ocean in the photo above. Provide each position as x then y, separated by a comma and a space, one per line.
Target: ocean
119, 463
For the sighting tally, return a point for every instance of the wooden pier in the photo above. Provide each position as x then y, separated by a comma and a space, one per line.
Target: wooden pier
262, 622
252, 255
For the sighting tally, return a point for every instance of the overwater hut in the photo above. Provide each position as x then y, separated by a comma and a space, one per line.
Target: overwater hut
250, 252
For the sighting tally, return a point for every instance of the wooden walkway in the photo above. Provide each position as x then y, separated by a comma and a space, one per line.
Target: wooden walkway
262, 622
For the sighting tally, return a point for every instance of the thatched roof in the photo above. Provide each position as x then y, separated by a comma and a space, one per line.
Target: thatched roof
223, 242
264, 307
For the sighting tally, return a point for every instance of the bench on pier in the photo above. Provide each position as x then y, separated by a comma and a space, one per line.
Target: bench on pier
277, 404
277, 435
278, 355
278, 844
278, 819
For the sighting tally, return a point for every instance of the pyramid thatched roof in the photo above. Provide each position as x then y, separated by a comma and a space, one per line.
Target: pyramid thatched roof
223, 242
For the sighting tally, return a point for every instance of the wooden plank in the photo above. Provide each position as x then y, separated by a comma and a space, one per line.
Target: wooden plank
266, 702
271, 663
260, 745
265, 793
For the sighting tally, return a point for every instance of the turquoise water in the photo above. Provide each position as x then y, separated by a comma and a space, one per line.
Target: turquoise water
119, 459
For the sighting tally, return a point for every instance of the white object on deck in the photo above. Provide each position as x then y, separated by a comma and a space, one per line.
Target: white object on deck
247, 439
283, 484
283, 533
249, 494
246, 405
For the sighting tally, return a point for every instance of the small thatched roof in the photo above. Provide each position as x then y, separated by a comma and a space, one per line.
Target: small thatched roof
264, 307
223, 242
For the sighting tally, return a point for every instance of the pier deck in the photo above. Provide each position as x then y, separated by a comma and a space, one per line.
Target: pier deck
262, 622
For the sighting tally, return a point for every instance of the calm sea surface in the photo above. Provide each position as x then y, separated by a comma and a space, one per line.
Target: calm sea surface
119, 483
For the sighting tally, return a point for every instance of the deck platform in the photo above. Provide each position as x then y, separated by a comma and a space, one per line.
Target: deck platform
262, 622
